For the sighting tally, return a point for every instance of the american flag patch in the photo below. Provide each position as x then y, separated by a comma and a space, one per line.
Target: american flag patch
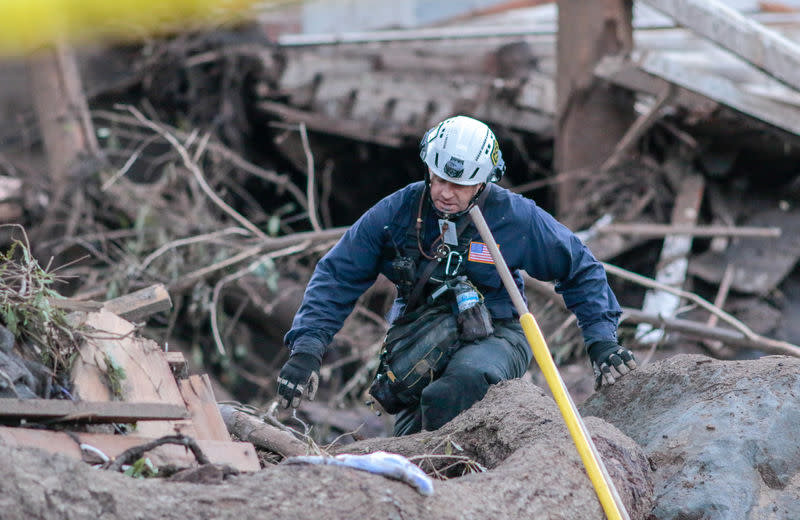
478, 252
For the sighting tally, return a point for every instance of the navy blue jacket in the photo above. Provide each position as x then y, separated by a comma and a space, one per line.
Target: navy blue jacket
529, 238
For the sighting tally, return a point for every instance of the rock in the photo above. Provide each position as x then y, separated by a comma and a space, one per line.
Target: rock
723, 435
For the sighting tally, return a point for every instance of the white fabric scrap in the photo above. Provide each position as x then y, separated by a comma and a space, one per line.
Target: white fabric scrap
383, 463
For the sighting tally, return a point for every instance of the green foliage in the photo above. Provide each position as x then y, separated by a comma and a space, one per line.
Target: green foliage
26, 307
142, 468
115, 374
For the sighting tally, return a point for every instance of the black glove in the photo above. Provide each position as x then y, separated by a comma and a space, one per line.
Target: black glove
610, 361
299, 378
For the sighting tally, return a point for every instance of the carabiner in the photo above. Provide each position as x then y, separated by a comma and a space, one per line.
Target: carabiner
447, 270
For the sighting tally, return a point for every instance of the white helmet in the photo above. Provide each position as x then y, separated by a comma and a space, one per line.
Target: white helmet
462, 150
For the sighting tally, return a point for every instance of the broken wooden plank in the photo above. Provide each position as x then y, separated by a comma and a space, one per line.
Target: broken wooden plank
661, 230
624, 72
760, 46
177, 363
759, 264
675, 69
140, 304
673, 261
90, 412
701, 92
199, 397
240, 455
132, 307
415, 35
346, 128
147, 375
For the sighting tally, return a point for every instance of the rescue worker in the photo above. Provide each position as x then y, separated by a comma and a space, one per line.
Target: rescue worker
420, 237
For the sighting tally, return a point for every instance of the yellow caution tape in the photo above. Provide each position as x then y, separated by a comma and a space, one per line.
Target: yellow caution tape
26, 25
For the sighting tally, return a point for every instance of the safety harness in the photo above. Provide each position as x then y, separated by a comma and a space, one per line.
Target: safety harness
446, 262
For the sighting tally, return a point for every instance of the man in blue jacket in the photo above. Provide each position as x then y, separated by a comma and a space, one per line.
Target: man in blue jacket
421, 239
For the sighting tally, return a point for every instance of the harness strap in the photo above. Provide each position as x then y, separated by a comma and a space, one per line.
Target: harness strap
430, 267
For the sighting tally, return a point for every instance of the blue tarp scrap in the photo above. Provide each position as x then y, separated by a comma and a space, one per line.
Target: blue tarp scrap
383, 463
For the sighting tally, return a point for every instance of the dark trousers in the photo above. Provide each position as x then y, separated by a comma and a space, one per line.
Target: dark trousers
467, 377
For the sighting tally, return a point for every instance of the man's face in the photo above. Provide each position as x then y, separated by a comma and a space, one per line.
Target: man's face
449, 197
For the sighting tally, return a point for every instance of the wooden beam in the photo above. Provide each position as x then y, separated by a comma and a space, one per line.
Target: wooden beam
673, 262
343, 127
240, 455
414, 35
661, 230
177, 363
716, 89
626, 72
90, 412
762, 47
591, 116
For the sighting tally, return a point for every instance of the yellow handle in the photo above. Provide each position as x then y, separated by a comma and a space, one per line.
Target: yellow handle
574, 423
603, 485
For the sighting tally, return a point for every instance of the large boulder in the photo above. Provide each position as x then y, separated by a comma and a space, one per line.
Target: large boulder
723, 436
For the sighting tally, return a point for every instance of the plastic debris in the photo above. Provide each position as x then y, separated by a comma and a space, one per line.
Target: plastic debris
383, 463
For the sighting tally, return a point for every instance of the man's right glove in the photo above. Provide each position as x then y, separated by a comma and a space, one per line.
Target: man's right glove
610, 361
299, 378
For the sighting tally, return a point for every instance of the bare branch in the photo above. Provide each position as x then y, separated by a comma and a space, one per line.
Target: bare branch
187, 161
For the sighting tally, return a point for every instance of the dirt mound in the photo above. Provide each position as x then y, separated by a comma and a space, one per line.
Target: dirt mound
532, 470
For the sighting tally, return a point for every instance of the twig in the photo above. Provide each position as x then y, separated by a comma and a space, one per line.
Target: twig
729, 337
649, 282
190, 240
8, 380
719, 301
281, 181
312, 207
131, 160
276, 243
192, 167
135, 453
221, 283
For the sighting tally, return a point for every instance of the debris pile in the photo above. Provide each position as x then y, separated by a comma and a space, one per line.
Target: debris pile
86, 385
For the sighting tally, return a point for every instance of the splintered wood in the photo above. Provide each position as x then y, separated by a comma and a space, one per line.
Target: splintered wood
143, 374
121, 377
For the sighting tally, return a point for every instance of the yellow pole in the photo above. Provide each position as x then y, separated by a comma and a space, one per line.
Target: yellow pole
603, 485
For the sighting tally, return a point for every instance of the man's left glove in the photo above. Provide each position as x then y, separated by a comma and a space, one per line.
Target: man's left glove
299, 378
610, 361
